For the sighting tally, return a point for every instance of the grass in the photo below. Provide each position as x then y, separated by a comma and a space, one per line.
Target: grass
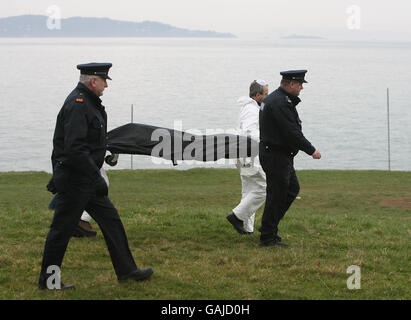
175, 222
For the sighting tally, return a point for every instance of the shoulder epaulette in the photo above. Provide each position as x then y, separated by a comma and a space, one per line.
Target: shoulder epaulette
80, 98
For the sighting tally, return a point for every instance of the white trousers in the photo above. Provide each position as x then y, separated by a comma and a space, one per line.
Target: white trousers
252, 198
85, 216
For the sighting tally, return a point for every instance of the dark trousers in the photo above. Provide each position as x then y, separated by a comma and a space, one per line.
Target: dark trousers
69, 207
282, 189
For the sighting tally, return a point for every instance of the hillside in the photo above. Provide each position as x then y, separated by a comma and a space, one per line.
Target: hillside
37, 26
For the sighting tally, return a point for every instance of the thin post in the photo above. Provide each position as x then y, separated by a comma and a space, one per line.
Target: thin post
388, 126
132, 111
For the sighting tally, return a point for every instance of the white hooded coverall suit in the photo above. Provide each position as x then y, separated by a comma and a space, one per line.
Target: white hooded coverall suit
253, 178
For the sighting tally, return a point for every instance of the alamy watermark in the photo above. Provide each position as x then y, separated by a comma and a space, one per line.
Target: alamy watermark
354, 18
54, 280
53, 17
354, 281
219, 146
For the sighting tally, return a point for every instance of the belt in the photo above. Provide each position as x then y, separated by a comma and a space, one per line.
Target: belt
273, 148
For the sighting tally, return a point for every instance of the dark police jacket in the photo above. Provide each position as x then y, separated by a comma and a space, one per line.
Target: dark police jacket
79, 142
280, 125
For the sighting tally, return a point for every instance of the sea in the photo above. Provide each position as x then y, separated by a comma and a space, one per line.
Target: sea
355, 109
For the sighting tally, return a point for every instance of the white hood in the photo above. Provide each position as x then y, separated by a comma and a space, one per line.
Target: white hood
242, 101
248, 124
249, 115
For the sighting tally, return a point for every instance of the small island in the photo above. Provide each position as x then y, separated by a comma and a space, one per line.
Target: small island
297, 36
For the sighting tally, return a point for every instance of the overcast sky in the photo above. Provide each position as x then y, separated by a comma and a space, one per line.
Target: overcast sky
241, 17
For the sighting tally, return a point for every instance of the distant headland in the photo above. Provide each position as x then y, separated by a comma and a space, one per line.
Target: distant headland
41, 26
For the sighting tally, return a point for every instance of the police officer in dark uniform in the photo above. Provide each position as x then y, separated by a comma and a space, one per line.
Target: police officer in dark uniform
281, 138
79, 147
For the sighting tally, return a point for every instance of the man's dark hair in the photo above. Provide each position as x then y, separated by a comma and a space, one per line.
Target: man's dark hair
285, 82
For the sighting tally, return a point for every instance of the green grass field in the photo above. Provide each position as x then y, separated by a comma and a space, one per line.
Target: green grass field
175, 221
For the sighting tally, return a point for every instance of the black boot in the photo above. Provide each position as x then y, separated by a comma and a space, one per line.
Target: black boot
137, 275
42, 286
237, 224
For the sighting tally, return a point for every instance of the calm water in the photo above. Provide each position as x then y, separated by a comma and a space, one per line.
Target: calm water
197, 82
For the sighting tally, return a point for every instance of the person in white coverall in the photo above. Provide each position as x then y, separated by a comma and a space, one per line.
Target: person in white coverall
253, 180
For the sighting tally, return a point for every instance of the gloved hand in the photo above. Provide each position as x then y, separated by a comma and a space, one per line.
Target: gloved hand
111, 159
101, 186
51, 186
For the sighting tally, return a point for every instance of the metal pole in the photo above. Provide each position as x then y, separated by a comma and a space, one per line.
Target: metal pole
132, 111
388, 125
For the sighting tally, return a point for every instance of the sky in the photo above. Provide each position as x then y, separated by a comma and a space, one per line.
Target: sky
245, 18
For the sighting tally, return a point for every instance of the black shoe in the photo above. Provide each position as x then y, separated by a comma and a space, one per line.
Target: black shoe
137, 275
62, 287
277, 236
237, 224
84, 229
273, 242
